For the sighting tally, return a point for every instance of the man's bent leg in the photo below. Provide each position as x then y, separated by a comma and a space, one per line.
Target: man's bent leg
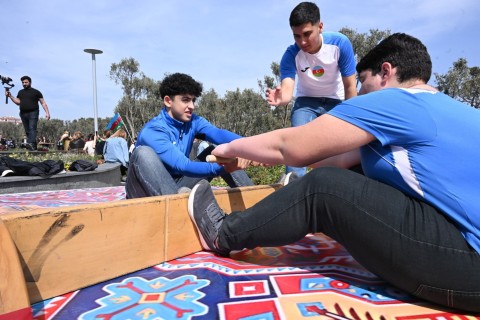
404, 241
237, 178
147, 176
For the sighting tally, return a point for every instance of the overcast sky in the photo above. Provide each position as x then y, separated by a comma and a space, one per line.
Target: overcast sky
223, 44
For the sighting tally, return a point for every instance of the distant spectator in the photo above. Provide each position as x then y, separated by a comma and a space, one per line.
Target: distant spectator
89, 147
11, 143
100, 142
64, 141
116, 150
78, 141
132, 146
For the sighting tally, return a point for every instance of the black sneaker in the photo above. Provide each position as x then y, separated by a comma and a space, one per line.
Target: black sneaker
30, 147
206, 215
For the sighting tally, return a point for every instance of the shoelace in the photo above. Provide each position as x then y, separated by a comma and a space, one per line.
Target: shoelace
216, 214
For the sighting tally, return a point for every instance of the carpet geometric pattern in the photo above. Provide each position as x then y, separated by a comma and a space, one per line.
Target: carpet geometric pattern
314, 278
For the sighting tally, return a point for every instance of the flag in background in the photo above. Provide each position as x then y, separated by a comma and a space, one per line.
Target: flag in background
115, 123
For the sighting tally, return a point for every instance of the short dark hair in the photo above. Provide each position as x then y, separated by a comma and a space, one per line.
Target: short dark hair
26, 78
408, 54
304, 12
180, 83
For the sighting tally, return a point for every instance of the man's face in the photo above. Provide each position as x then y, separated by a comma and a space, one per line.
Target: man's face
25, 84
369, 82
307, 37
181, 106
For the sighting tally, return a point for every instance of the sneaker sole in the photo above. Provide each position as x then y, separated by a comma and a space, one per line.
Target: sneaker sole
190, 213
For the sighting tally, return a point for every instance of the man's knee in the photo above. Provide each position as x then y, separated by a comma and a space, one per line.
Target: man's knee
143, 152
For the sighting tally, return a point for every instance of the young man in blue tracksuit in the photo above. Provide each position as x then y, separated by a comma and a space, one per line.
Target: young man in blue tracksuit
160, 163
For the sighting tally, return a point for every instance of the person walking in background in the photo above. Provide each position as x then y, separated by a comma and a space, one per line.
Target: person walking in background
322, 62
28, 99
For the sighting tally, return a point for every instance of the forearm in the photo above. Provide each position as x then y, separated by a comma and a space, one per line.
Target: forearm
350, 92
15, 100
350, 86
264, 148
344, 160
287, 87
45, 107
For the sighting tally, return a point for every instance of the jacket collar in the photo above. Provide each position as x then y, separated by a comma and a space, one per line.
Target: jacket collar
171, 121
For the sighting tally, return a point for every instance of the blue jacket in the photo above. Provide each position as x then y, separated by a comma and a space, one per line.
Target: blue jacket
172, 140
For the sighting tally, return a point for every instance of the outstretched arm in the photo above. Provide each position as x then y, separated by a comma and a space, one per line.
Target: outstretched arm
281, 95
322, 138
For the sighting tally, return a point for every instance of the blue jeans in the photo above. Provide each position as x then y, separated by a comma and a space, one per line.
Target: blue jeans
403, 240
147, 176
305, 110
30, 121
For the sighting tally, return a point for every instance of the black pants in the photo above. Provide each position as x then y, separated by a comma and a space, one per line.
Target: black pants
30, 121
407, 242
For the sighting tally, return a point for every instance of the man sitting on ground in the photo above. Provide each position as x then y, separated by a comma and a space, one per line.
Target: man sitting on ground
160, 162
413, 218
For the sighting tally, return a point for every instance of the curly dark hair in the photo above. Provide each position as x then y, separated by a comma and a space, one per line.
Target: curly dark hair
404, 52
304, 12
180, 83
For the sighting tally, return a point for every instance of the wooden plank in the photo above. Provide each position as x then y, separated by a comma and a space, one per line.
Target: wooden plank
14, 302
65, 249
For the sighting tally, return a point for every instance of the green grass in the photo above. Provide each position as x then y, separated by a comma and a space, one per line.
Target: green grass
259, 175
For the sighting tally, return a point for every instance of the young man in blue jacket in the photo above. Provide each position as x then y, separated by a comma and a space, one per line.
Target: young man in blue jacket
160, 163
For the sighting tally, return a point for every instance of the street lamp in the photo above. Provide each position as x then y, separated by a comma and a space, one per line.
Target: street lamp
94, 76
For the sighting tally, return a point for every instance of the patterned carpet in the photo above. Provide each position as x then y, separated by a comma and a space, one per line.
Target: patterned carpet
314, 278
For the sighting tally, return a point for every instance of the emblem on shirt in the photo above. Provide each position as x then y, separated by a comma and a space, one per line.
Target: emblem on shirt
318, 71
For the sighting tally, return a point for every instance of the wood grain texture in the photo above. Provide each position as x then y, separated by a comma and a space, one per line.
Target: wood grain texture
13, 291
64, 249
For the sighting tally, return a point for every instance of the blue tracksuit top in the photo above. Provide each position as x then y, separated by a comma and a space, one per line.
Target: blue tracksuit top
172, 140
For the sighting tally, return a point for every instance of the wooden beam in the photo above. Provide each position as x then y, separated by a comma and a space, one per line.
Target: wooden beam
14, 302
64, 249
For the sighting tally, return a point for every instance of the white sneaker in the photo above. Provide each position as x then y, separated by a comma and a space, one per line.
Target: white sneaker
184, 190
6, 172
287, 178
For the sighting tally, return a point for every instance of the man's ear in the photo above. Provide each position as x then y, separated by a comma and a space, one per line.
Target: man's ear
320, 26
386, 71
167, 101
